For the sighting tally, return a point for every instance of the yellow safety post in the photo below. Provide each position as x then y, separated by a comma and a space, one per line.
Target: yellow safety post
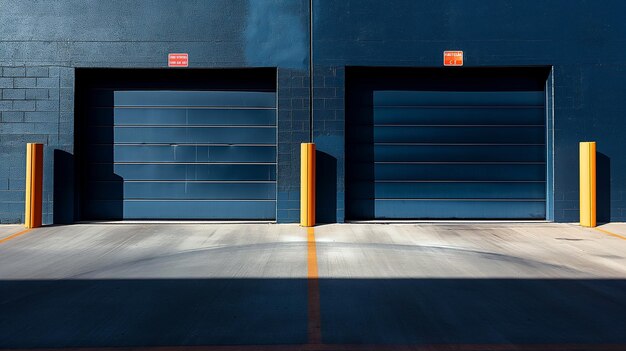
307, 184
588, 184
34, 185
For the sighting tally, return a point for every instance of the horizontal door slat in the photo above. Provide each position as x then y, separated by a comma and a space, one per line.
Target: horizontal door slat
181, 153
454, 135
449, 153
229, 210
180, 210
187, 135
444, 116
195, 98
182, 172
449, 172
451, 190
447, 209
458, 98
181, 191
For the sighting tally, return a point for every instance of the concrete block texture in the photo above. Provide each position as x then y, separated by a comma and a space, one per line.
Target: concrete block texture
13, 94
14, 71
24, 82
27, 115
36, 71
6, 82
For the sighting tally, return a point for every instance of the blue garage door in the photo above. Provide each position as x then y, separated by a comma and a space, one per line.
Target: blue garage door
179, 154
444, 144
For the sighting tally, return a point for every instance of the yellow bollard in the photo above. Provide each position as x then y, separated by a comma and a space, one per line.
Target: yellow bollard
588, 184
307, 184
34, 185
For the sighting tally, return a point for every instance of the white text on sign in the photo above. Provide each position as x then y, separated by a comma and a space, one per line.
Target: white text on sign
178, 60
453, 58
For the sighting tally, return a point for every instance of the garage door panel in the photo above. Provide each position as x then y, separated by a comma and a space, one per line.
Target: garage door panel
249, 117
227, 210
182, 153
450, 135
242, 153
426, 209
182, 190
226, 172
411, 115
449, 172
149, 116
450, 153
190, 116
458, 98
200, 191
191, 135
454, 190
138, 98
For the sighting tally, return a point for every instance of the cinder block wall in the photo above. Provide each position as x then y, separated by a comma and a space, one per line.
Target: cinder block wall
36, 104
40, 52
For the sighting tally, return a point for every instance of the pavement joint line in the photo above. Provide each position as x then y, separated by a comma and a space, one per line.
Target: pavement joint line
15, 235
314, 329
610, 233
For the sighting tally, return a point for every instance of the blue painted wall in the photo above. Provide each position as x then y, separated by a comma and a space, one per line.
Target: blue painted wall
582, 40
41, 44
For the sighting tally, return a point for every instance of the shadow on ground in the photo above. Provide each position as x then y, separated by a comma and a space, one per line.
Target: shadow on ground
105, 313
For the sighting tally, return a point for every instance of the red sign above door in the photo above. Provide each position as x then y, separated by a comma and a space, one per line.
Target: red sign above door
178, 60
453, 58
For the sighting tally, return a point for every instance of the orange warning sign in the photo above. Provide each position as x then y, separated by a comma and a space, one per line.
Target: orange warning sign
453, 58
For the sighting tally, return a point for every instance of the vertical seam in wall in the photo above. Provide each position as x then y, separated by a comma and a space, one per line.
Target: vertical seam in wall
311, 71
552, 145
51, 206
277, 185
547, 150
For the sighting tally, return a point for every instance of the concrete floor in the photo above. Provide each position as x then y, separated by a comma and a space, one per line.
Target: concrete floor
124, 285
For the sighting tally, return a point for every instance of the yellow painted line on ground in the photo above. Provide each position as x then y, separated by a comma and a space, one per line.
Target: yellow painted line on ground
311, 254
14, 235
611, 234
314, 327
